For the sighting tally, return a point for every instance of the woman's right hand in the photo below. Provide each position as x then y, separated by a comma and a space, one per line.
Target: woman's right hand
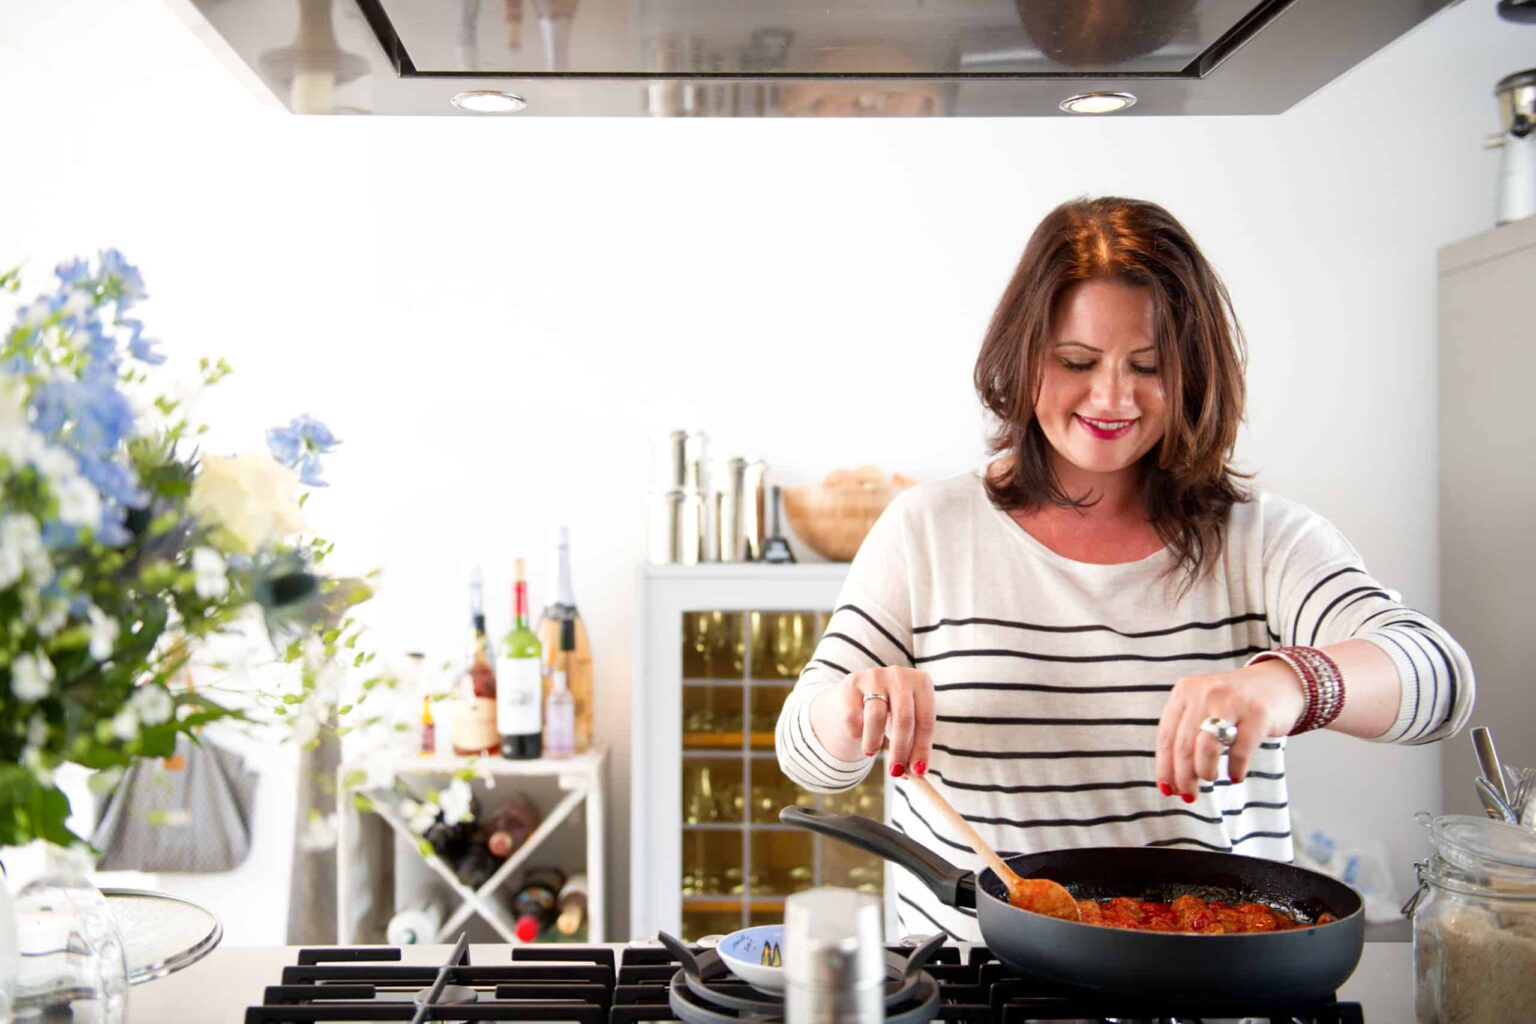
879, 707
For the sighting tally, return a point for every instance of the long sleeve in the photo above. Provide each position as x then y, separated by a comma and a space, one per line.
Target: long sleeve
871, 627
1318, 592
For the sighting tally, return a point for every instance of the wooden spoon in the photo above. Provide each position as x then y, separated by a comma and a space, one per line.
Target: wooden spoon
1040, 895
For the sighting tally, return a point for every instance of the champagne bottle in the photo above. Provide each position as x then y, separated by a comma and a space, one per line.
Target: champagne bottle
535, 903
572, 913
474, 726
518, 705
561, 608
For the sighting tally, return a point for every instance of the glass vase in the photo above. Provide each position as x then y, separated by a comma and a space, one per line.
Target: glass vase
72, 963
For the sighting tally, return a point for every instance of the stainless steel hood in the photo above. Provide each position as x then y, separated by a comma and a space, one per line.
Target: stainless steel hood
717, 58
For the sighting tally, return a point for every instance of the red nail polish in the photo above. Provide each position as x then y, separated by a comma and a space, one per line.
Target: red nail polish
1188, 797
1236, 779
921, 767
871, 753
897, 770
1165, 789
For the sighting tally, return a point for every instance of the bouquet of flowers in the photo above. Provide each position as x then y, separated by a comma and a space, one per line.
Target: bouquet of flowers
122, 545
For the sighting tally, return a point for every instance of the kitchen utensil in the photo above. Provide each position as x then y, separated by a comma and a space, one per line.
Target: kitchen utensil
1295, 964
1040, 895
776, 549
1494, 804
1488, 761
742, 951
834, 957
833, 521
1519, 782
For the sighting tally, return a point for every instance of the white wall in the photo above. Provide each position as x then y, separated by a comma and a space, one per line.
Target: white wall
497, 314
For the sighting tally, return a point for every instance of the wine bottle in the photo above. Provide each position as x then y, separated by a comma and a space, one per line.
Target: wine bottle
415, 925
535, 903
474, 726
572, 912
509, 825
561, 608
476, 866
518, 704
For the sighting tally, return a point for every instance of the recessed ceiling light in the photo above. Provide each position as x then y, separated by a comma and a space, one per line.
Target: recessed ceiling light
489, 101
1097, 102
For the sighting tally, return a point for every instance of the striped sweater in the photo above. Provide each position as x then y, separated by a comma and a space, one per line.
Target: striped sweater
1050, 675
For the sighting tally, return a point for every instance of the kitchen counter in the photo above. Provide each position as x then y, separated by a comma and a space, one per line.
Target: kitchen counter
219, 988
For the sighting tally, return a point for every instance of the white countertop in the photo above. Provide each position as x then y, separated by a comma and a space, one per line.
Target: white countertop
219, 988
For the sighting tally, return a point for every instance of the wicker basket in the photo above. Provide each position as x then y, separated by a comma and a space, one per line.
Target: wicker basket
833, 521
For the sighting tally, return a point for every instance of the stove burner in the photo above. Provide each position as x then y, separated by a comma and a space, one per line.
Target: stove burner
648, 983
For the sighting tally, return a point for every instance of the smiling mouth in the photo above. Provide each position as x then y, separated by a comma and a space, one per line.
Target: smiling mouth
1106, 429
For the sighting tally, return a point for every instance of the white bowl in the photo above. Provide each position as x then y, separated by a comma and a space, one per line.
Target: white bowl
742, 952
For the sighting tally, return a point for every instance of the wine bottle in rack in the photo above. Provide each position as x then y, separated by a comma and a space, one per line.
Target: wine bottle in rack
474, 724
535, 904
572, 910
519, 706
558, 610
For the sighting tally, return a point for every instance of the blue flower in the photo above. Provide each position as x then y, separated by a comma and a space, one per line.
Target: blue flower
140, 347
120, 279
73, 273
299, 446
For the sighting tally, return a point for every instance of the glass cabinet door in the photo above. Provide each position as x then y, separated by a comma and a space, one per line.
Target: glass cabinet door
738, 861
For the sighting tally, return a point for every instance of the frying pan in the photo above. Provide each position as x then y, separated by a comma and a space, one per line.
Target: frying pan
1302, 963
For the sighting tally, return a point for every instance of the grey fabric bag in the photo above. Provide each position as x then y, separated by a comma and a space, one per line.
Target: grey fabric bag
195, 817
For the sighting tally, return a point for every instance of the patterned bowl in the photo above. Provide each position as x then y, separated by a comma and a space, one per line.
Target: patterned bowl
743, 953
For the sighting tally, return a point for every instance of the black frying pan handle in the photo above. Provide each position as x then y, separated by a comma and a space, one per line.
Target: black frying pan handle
955, 886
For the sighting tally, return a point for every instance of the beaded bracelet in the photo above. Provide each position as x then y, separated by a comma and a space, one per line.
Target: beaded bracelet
1321, 681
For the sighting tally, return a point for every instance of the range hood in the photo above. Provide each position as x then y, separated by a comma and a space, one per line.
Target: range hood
718, 58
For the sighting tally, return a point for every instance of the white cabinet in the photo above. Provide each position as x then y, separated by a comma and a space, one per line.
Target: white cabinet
718, 648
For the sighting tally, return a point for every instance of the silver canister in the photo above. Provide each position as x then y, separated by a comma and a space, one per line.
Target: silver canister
730, 484
753, 527
675, 530
1517, 164
834, 958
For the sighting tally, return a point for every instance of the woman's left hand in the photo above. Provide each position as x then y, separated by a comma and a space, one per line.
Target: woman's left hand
1262, 700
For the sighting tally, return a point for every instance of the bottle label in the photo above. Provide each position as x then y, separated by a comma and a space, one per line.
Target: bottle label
474, 727
518, 688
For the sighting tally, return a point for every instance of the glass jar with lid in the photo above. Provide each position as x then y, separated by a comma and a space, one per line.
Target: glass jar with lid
1474, 922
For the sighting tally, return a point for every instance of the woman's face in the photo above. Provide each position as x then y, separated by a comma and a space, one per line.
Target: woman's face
1101, 396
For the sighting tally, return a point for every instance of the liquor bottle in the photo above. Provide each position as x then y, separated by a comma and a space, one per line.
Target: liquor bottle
577, 659
518, 705
509, 825
535, 903
560, 715
572, 913
428, 728
474, 727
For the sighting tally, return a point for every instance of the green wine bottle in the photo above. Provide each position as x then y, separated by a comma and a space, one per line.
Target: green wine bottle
519, 682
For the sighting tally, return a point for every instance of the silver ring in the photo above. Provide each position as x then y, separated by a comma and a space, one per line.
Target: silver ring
877, 696
1220, 730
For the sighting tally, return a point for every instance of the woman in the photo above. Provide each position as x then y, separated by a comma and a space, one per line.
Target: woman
1066, 641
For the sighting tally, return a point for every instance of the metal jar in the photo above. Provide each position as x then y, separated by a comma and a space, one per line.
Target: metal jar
1474, 922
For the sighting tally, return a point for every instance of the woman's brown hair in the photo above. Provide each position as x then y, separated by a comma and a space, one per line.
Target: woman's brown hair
1187, 481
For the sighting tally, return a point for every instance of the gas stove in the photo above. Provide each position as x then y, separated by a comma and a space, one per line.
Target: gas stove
646, 981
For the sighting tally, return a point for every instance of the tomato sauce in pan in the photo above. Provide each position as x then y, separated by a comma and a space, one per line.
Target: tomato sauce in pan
1190, 914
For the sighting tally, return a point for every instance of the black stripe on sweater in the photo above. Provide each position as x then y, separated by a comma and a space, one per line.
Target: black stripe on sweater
929, 917
1407, 654
1133, 635
845, 638
1005, 720
1048, 688
882, 630
1364, 592
1088, 659
1056, 755
823, 661
1085, 787
1296, 625
1186, 841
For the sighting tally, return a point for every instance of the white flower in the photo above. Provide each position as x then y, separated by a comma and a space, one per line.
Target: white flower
306, 723
456, 802
212, 574
79, 501
319, 833
104, 630
418, 816
22, 552
36, 314
77, 304
30, 676
378, 772
55, 615
251, 496
125, 724
152, 704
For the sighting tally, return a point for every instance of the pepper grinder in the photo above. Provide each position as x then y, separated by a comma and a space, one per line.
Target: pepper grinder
834, 958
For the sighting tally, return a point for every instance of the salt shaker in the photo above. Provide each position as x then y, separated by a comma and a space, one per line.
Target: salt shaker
834, 958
